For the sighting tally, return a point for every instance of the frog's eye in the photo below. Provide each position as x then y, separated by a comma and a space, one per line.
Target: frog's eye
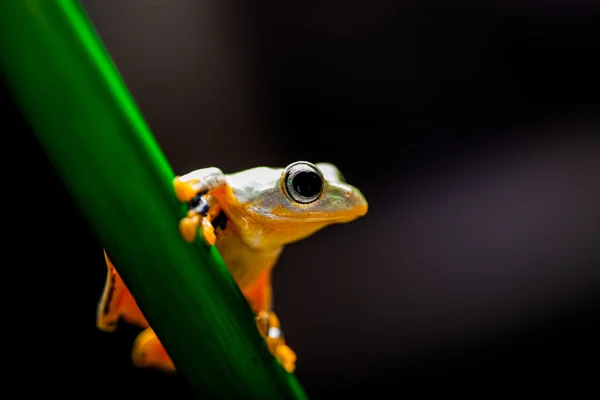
303, 182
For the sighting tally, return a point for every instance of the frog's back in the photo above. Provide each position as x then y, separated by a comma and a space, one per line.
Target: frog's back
247, 186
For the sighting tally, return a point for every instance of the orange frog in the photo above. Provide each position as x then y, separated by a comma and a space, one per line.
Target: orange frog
249, 216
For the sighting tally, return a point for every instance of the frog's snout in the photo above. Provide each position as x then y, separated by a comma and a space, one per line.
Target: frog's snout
359, 202
354, 202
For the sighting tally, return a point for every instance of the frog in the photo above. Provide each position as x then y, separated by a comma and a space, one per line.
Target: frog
250, 216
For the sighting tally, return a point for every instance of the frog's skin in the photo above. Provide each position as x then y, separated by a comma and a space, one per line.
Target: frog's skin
250, 216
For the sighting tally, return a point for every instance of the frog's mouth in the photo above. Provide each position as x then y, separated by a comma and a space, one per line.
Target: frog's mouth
323, 216
352, 214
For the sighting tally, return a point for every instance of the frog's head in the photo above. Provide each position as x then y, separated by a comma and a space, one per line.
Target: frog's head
319, 193
302, 199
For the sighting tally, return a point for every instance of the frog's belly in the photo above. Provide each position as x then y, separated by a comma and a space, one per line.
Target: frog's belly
244, 263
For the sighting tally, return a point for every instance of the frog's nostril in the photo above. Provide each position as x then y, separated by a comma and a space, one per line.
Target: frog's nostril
348, 193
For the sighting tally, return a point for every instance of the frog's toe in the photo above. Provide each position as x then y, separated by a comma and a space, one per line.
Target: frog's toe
148, 352
188, 227
287, 357
208, 232
184, 190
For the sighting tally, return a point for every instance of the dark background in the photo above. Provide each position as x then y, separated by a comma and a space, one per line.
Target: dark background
471, 128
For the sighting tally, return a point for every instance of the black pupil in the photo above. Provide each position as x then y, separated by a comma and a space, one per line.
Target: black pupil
307, 183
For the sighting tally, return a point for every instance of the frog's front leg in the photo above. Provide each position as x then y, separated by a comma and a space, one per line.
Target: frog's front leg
195, 189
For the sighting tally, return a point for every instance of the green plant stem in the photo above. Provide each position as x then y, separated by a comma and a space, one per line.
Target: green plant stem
97, 139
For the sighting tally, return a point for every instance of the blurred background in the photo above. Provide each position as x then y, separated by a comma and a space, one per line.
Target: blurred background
472, 128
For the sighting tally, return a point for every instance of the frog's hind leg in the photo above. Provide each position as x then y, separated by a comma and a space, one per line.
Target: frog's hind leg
116, 303
148, 352
260, 298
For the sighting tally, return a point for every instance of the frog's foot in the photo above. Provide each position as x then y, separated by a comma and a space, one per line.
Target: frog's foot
269, 328
190, 225
202, 209
148, 352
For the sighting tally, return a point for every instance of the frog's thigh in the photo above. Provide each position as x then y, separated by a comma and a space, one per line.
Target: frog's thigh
117, 302
149, 352
259, 295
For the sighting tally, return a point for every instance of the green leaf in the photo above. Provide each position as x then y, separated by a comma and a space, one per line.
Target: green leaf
101, 146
